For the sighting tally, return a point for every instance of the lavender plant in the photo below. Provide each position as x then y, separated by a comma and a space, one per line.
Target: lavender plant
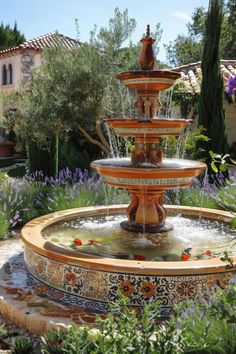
10, 205
24, 199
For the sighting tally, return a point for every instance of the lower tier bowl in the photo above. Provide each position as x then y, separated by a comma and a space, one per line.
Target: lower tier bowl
97, 280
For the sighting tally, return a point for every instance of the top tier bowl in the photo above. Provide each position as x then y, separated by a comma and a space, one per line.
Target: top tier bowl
148, 80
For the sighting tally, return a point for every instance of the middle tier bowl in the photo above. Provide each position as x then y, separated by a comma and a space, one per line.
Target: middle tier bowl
155, 128
170, 173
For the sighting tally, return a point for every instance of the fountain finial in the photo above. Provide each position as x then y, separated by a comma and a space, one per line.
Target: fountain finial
147, 56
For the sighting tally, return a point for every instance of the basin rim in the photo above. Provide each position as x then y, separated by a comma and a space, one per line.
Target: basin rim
32, 238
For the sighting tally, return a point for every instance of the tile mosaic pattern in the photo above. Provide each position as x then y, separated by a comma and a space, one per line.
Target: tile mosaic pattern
148, 181
148, 80
147, 130
96, 289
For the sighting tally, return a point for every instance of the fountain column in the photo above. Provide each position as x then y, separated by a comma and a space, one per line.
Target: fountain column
146, 212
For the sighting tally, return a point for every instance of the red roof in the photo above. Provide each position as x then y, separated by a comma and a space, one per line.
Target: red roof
191, 74
48, 40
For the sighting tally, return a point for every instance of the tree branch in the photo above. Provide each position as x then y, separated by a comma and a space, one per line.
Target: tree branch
100, 134
94, 141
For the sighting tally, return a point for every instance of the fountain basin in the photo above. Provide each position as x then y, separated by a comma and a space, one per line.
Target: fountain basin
170, 173
148, 80
96, 280
156, 128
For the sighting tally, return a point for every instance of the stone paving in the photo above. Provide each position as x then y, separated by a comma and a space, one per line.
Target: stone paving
24, 300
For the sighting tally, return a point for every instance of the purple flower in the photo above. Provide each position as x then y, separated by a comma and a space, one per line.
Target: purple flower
231, 85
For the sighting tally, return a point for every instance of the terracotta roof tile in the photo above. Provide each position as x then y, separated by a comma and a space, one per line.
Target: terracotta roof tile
48, 40
191, 74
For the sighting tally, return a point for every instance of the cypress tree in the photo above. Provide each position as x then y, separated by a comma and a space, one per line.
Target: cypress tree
211, 108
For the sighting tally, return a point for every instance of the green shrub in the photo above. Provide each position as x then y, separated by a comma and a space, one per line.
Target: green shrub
3, 331
21, 345
4, 225
206, 328
184, 147
122, 332
226, 197
197, 197
61, 198
210, 328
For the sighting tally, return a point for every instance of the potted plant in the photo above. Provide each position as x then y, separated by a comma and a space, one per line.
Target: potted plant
6, 147
6, 142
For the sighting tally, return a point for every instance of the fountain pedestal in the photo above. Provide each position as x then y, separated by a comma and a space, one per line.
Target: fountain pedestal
146, 212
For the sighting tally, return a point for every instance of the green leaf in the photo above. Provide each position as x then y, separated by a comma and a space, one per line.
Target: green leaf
233, 223
223, 167
212, 154
213, 167
233, 161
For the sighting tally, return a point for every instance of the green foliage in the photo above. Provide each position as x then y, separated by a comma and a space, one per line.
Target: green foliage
188, 48
221, 162
10, 37
61, 198
229, 33
182, 98
74, 153
207, 328
45, 160
225, 258
211, 111
21, 345
3, 177
210, 328
226, 196
4, 224
72, 341
186, 146
75, 89
3, 331
197, 197
122, 332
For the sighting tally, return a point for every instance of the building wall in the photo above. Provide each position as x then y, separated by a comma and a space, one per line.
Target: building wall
230, 115
15, 61
22, 65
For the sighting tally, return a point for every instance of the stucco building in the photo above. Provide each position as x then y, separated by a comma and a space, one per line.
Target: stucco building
191, 77
17, 63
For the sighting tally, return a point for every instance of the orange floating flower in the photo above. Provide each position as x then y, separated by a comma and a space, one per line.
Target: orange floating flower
126, 288
139, 257
78, 242
148, 289
185, 256
207, 253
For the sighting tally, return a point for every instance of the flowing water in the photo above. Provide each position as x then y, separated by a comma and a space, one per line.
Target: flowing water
103, 237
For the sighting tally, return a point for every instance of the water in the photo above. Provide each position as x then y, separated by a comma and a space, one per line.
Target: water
103, 237
165, 164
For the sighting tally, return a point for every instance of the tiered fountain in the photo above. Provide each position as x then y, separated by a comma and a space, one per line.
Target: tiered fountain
91, 253
147, 175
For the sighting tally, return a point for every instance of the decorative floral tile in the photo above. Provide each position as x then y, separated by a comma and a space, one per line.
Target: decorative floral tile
95, 289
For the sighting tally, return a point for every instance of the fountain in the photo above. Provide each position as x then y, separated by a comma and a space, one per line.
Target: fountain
132, 253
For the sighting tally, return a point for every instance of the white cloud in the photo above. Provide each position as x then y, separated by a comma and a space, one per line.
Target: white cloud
181, 15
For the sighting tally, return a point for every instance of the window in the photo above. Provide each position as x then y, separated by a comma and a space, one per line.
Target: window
7, 74
4, 75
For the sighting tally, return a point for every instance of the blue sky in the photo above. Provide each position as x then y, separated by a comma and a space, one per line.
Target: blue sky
38, 17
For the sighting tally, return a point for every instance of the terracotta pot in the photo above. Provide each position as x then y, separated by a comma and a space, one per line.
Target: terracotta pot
6, 148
